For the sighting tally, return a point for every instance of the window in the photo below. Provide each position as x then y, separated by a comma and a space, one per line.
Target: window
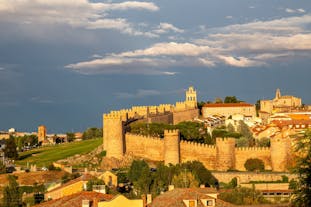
209, 203
192, 203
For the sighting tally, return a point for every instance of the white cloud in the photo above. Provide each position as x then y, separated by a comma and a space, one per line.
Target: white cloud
240, 61
301, 10
166, 27
75, 13
283, 25
40, 100
288, 10
169, 49
138, 94
96, 56
128, 5
253, 44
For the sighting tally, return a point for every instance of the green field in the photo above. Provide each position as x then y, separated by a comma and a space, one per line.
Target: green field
44, 156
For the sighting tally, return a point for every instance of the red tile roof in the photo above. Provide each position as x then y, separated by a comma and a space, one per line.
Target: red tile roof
228, 105
75, 200
175, 197
291, 122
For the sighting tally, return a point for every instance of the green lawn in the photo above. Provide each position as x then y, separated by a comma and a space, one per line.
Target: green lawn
46, 155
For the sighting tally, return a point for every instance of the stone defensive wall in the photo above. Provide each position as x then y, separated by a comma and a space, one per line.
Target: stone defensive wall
206, 154
151, 148
222, 156
166, 118
244, 153
246, 177
184, 115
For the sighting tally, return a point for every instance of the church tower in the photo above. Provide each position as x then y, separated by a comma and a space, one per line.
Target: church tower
277, 94
191, 98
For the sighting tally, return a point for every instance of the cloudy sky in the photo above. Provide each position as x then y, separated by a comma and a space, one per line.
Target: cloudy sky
64, 63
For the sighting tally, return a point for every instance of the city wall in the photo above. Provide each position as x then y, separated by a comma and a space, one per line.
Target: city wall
206, 154
184, 115
221, 157
151, 148
246, 177
244, 153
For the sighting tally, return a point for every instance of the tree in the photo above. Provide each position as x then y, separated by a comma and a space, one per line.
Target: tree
10, 149
263, 142
92, 133
162, 178
95, 181
140, 175
242, 196
2, 168
257, 107
70, 136
302, 192
218, 100
244, 130
203, 175
254, 165
190, 131
11, 194
26, 140
200, 105
231, 99
230, 128
185, 180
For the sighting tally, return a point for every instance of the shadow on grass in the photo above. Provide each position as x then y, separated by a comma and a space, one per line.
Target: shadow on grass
22, 157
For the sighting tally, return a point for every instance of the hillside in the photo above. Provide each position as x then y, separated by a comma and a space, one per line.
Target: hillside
44, 156
34, 177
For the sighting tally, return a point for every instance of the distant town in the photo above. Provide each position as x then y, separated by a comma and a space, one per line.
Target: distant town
191, 153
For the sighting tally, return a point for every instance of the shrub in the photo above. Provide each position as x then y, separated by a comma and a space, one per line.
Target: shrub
254, 165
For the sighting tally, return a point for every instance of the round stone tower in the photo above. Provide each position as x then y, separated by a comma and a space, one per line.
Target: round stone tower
113, 135
171, 147
225, 154
280, 150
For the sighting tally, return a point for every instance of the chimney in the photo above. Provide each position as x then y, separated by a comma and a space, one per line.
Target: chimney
170, 187
85, 203
95, 202
143, 197
149, 198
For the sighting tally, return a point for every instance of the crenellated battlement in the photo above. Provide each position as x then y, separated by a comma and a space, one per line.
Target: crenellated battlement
253, 149
195, 144
136, 108
225, 140
115, 116
171, 131
139, 136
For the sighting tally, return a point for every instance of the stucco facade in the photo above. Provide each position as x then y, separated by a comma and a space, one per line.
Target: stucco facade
229, 109
280, 103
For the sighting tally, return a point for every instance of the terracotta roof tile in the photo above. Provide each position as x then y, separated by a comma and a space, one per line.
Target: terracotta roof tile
75, 200
175, 197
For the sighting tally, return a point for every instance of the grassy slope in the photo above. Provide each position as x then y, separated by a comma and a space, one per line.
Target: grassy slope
46, 155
